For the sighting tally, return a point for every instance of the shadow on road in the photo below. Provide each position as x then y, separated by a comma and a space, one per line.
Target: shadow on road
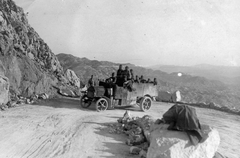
70, 103
117, 147
74, 103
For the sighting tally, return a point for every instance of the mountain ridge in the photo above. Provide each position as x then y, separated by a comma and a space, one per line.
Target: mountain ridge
193, 89
227, 74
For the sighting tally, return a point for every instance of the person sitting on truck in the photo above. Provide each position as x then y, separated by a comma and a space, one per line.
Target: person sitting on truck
137, 79
142, 80
128, 82
126, 73
148, 81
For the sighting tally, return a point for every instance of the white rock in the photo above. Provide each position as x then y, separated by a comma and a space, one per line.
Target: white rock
176, 96
72, 77
175, 144
4, 89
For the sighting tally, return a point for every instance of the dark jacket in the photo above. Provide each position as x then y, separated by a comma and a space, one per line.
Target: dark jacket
126, 74
119, 78
120, 73
184, 118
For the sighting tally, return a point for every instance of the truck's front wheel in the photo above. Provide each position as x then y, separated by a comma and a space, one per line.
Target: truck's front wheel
102, 104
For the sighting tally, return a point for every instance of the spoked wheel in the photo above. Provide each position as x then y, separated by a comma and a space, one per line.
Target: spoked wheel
85, 102
145, 103
102, 104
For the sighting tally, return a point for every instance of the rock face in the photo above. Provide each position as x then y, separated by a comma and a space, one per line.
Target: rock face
25, 59
72, 78
4, 89
174, 144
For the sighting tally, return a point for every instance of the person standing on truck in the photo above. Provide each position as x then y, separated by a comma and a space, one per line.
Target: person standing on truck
137, 79
113, 78
119, 78
90, 81
112, 84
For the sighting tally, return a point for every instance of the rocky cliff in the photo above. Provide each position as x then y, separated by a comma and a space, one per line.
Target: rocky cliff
25, 59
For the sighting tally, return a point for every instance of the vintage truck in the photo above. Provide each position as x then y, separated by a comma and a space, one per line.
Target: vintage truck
142, 95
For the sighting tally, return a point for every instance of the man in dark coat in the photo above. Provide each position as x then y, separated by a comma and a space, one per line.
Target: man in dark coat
119, 78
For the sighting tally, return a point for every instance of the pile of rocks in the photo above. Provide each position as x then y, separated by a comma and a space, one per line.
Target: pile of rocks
135, 128
146, 138
19, 100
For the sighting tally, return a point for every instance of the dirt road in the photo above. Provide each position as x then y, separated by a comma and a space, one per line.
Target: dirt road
61, 128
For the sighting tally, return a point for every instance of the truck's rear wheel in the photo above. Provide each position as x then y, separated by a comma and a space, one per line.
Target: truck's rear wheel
145, 103
85, 102
102, 104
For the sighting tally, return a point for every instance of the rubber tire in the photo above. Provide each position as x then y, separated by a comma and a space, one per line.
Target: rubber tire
83, 104
145, 103
102, 101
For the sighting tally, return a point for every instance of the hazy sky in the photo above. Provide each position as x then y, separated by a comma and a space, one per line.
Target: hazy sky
146, 32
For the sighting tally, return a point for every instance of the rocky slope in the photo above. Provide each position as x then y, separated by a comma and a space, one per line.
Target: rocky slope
193, 89
25, 59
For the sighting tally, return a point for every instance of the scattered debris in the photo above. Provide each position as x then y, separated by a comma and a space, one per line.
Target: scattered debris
19, 100
134, 128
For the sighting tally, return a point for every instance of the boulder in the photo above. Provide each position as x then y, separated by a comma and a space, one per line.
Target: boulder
175, 144
43, 96
203, 104
212, 105
176, 96
135, 150
4, 89
68, 92
72, 78
218, 155
164, 96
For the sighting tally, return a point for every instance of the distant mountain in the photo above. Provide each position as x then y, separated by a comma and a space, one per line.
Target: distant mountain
84, 68
226, 74
193, 88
